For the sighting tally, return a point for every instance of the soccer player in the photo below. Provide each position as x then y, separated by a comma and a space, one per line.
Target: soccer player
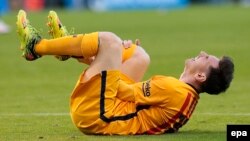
109, 97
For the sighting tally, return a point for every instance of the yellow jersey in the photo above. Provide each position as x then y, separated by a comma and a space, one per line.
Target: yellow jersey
111, 103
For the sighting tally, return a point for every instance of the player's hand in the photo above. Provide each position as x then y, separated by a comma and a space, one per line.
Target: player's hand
127, 43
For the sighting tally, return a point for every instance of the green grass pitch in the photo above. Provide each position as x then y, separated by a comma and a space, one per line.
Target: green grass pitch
34, 96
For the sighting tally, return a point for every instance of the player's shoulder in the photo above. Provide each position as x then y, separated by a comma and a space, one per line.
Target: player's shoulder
164, 78
165, 81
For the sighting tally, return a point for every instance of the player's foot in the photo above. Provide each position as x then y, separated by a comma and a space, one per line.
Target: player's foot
29, 36
56, 30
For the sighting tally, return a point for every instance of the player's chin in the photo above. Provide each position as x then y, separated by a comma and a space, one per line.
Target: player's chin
188, 61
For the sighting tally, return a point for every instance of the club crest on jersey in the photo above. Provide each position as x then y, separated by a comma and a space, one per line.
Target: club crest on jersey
146, 88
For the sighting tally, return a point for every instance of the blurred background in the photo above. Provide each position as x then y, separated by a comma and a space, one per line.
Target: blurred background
102, 5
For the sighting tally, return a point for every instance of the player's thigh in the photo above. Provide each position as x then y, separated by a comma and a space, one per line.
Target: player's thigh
109, 55
136, 66
94, 99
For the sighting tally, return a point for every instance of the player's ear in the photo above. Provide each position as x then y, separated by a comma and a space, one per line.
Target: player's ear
200, 77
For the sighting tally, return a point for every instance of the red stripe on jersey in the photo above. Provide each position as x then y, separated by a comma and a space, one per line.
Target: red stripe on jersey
166, 126
183, 107
192, 107
158, 129
154, 130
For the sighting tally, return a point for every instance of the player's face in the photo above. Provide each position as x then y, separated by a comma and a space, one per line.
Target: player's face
201, 63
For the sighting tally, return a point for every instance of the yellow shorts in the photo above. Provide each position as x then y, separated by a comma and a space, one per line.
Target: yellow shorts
92, 102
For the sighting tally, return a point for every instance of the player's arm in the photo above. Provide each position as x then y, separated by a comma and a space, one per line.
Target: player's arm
150, 92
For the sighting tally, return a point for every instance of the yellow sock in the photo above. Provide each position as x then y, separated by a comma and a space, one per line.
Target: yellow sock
68, 45
90, 44
85, 45
128, 52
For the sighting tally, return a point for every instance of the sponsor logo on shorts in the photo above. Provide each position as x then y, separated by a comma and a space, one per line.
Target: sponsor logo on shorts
146, 88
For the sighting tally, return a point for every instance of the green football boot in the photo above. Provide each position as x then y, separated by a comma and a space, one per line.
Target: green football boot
56, 30
29, 36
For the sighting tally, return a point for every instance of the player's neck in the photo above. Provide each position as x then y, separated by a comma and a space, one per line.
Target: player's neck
190, 81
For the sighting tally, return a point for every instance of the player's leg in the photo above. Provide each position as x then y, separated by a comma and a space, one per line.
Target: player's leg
136, 66
29, 36
109, 55
101, 81
34, 46
56, 30
82, 45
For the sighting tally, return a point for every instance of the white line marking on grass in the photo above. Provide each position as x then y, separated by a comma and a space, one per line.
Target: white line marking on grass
224, 114
67, 114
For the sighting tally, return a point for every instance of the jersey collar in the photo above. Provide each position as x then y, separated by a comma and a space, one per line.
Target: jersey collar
198, 92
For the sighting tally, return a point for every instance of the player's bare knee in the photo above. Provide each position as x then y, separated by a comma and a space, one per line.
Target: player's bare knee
109, 40
142, 55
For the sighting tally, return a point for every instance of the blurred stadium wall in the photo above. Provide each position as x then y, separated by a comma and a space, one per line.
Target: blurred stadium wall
104, 5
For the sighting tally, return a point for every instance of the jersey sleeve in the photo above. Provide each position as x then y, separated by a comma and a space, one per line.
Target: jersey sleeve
153, 91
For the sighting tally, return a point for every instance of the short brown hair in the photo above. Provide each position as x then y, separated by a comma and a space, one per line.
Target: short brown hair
219, 79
